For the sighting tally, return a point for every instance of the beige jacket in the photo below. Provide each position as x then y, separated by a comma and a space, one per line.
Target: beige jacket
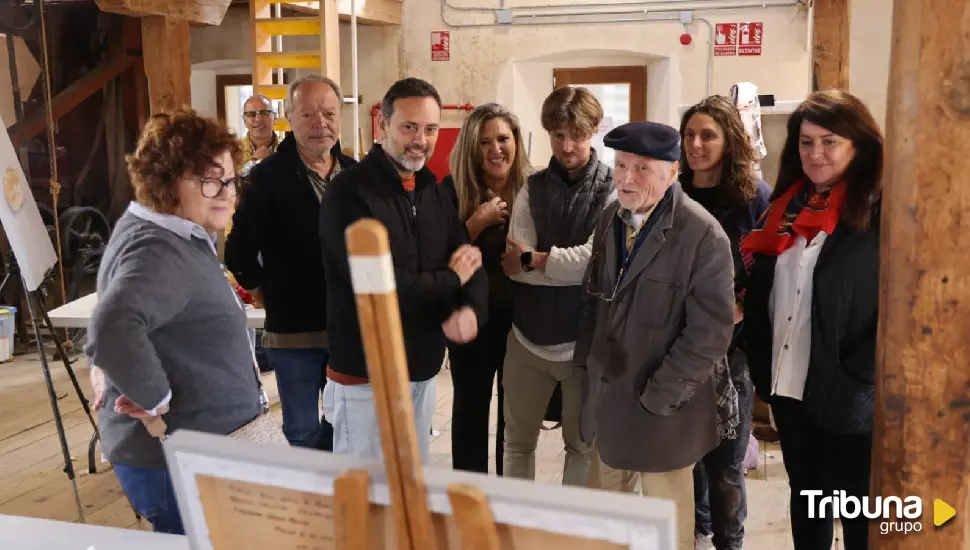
650, 352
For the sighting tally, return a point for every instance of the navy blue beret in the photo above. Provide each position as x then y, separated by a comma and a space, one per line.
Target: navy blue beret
648, 139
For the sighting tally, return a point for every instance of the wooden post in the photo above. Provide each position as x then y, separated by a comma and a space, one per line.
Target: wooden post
831, 29
372, 274
167, 64
329, 39
922, 423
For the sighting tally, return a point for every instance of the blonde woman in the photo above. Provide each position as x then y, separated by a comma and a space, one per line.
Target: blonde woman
489, 166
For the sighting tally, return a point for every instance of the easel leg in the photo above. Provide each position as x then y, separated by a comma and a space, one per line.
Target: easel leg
68, 465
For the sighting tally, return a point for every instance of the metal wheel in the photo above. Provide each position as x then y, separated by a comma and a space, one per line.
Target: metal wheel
84, 235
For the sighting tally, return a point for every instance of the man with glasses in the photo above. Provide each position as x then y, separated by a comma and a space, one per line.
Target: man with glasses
660, 288
261, 140
274, 253
548, 247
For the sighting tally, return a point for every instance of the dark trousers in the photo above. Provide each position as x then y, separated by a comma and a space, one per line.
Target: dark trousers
300, 378
150, 492
720, 499
474, 366
819, 460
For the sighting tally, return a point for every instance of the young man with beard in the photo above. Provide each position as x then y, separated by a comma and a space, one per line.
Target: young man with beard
548, 249
273, 251
441, 290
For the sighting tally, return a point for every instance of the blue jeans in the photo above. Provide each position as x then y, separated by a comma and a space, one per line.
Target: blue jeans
301, 377
151, 495
720, 498
356, 431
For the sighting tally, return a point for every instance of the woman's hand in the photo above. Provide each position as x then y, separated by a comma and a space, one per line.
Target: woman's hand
493, 212
123, 405
97, 385
155, 424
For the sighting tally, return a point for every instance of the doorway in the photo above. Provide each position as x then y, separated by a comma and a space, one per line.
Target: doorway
622, 91
232, 91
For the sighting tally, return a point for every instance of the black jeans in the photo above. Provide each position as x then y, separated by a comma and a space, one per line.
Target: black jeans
819, 460
473, 369
720, 499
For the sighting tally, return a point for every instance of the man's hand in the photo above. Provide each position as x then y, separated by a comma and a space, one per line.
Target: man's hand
257, 295
738, 313
512, 257
462, 326
262, 152
97, 385
465, 262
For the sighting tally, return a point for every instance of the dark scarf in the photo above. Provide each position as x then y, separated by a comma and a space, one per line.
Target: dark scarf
800, 211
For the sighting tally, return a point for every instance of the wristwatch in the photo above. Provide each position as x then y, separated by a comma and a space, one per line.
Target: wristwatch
526, 260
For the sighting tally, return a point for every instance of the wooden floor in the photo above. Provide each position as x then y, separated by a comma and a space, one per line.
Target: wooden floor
32, 478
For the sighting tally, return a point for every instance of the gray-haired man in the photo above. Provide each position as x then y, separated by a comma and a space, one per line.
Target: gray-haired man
277, 219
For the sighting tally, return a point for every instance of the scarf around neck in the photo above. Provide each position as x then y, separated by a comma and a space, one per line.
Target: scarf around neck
799, 212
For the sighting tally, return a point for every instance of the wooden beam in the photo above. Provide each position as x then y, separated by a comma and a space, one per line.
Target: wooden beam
831, 33
329, 40
369, 12
923, 360
167, 64
72, 96
206, 12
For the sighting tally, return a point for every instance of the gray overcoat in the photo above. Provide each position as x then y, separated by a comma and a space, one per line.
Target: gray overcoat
649, 400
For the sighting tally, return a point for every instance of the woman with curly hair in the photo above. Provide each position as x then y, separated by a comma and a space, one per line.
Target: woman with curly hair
718, 163
168, 332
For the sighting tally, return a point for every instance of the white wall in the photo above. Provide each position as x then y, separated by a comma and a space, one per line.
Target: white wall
513, 65
870, 41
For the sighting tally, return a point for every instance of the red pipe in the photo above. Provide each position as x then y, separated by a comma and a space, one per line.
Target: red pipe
377, 109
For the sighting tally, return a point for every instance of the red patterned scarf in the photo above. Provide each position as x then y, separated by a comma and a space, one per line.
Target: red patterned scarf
801, 211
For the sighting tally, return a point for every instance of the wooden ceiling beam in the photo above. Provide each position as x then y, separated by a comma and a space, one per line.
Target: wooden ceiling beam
369, 12
205, 12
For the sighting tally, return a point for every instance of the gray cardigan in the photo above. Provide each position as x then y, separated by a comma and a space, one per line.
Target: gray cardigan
167, 325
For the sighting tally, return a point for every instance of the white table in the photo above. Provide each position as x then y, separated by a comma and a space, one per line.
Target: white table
77, 314
19, 533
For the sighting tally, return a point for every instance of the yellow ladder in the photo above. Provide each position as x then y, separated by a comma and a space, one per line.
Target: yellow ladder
267, 27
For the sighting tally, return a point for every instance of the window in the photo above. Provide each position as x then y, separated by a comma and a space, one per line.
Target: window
622, 91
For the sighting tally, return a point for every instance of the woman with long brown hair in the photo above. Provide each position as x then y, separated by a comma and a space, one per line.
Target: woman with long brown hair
718, 171
812, 306
489, 166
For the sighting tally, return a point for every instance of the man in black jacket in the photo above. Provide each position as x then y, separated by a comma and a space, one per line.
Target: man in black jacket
441, 290
273, 251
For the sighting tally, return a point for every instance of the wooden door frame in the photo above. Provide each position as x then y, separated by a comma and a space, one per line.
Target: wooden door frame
634, 75
223, 81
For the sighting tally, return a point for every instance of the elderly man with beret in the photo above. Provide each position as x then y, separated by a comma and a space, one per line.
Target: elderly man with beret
660, 291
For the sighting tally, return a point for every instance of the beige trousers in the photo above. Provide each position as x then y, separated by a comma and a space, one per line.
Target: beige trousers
677, 486
528, 382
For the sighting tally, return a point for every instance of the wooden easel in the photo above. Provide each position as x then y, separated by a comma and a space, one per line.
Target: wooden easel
372, 273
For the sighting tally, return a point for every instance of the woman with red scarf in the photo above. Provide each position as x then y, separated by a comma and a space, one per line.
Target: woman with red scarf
812, 305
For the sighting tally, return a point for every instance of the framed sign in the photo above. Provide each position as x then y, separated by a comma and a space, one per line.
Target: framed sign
245, 496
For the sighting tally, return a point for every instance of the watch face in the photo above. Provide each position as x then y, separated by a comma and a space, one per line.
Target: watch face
526, 258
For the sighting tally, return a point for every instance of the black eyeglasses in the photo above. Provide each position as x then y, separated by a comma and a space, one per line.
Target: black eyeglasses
212, 187
254, 114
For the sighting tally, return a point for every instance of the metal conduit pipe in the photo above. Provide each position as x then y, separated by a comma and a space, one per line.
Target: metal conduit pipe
353, 61
702, 5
